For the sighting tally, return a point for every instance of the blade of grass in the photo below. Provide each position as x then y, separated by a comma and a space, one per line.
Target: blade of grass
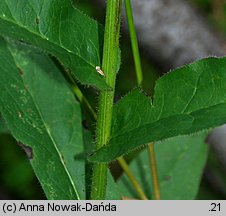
139, 74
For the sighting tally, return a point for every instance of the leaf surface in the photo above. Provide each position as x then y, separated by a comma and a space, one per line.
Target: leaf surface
42, 113
190, 99
61, 30
180, 163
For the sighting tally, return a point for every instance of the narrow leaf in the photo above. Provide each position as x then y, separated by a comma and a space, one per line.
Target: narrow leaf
180, 162
60, 29
42, 114
187, 100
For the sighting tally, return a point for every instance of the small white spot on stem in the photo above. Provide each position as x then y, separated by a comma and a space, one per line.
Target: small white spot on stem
100, 71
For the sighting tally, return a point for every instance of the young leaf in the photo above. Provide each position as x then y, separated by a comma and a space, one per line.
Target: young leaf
61, 30
180, 162
42, 114
187, 100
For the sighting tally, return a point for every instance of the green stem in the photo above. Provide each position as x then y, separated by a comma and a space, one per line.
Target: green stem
136, 56
154, 173
134, 43
83, 100
131, 177
105, 106
122, 162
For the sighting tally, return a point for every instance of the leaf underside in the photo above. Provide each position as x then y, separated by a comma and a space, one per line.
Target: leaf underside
190, 99
60, 29
42, 113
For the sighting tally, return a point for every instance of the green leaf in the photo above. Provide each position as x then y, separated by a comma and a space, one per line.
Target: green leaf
187, 100
41, 112
61, 30
180, 163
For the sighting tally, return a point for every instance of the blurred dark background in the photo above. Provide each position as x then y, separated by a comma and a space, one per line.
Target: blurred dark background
158, 54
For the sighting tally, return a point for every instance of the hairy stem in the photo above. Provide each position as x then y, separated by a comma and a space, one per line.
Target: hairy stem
105, 106
122, 162
137, 62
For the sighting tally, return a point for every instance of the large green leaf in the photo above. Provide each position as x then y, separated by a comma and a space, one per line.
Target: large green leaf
41, 112
180, 163
187, 100
60, 29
